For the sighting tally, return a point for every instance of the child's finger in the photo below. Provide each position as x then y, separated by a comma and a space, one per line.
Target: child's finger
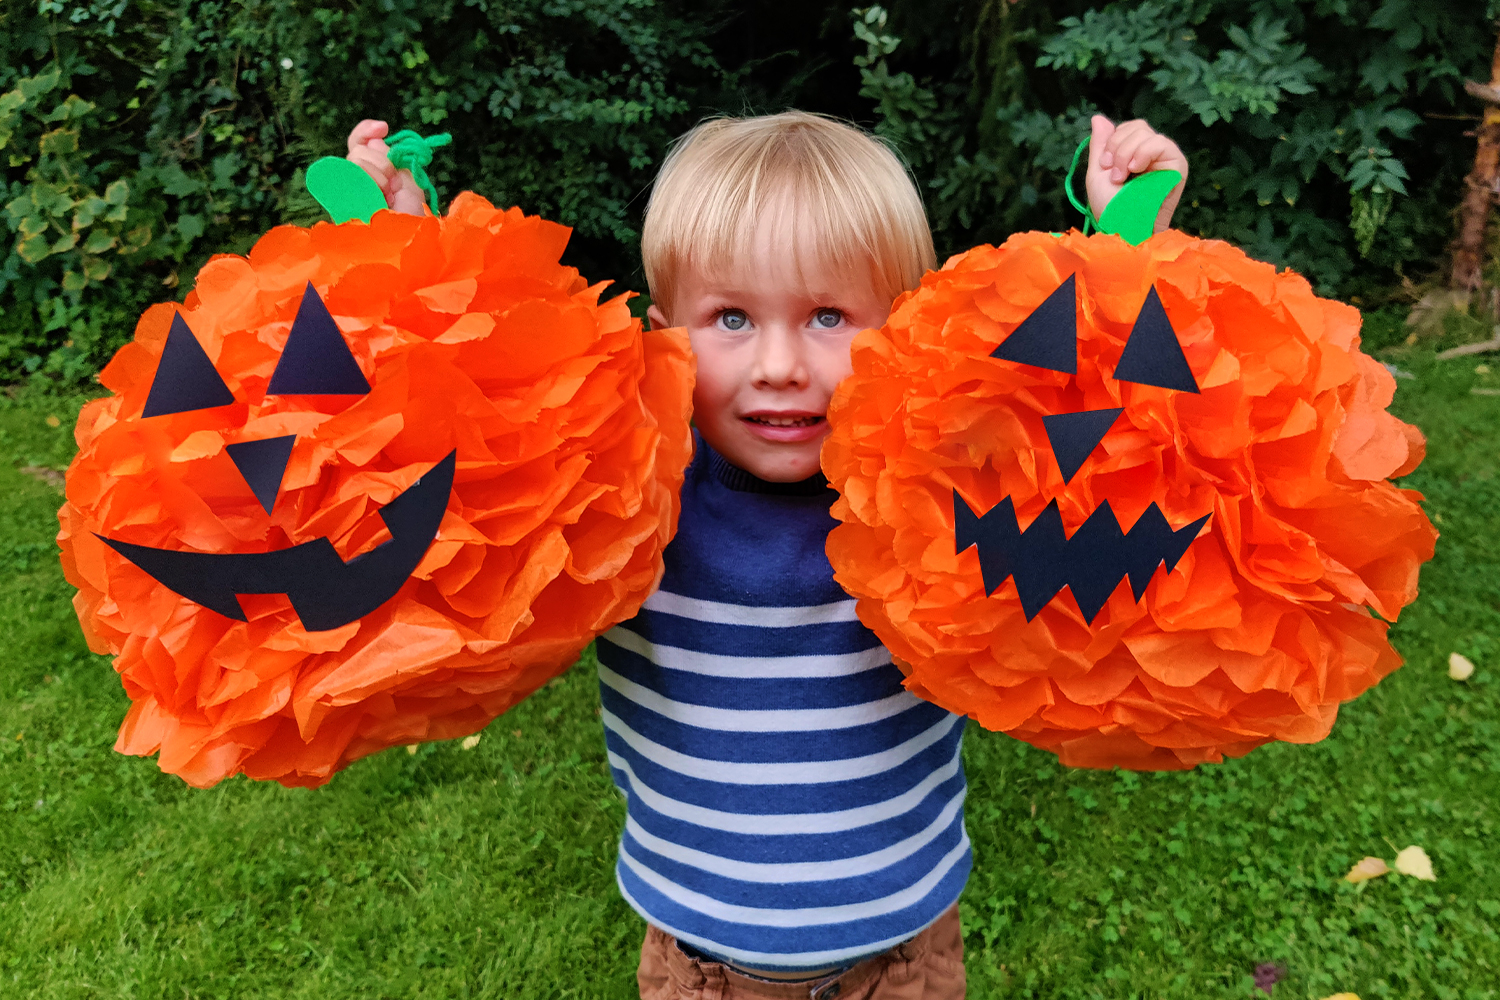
1123, 134
367, 130
376, 165
1135, 152
1101, 136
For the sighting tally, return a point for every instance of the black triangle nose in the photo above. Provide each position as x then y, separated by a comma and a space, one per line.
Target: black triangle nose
263, 463
1074, 436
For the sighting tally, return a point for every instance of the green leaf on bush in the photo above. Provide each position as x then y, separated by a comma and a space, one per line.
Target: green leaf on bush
59, 142
31, 225
33, 250
190, 226
10, 102
88, 209
99, 241
35, 86
136, 238
51, 199
18, 209
95, 269
118, 193
74, 282
72, 109
175, 182
65, 242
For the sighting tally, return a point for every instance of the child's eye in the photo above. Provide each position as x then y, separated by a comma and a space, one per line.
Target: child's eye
733, 319
827, 318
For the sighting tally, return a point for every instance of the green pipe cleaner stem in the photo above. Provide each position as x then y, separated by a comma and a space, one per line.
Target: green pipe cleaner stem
409, 151
1088, 215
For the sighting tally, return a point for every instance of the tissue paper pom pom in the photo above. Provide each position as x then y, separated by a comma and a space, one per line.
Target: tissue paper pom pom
1260, 630
570, 429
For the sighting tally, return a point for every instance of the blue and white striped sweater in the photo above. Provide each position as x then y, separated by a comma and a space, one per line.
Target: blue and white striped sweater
790, 805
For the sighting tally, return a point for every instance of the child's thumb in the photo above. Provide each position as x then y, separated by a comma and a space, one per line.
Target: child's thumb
1101, 128
406, 196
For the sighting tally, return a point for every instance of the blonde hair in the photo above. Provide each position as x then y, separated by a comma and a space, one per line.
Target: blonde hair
721, 178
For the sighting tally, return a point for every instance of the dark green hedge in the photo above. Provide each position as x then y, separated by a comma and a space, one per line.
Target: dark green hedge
138, 138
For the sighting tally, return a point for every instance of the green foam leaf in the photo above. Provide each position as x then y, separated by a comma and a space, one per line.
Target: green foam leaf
344, 189
1131, 213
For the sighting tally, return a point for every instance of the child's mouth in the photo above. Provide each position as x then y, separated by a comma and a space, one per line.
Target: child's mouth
785, 421
785, 429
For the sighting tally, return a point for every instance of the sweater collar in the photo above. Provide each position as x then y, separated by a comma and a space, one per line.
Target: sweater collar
736, 478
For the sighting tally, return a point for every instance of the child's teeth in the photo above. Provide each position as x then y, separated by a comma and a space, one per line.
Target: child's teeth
785, 421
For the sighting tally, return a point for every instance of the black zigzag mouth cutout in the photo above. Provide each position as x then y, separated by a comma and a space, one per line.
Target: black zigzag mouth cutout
1100, 554
1091, 564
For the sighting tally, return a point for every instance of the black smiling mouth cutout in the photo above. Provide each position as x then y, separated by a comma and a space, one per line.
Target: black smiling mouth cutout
1043, 559
324, 590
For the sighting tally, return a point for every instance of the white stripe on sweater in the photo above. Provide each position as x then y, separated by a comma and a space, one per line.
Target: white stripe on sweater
800, 871
749, 667
808, 916
802, 772
744, 720
788, 824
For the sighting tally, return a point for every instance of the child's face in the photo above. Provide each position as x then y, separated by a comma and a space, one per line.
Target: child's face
771, 343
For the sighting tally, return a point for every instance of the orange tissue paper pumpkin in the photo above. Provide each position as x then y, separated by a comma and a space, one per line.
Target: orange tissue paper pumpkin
1128, 503
372, 484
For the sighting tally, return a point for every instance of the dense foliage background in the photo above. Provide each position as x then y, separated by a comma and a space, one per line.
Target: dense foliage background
136, 139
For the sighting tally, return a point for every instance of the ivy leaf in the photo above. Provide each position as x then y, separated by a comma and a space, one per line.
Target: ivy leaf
99, 241
51, 199
87, 210
33, 250
59, 142
31, 226
72, 109
190, 226
177, 183
33, 87
18, 209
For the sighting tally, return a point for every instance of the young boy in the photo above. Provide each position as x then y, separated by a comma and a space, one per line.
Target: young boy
794, 821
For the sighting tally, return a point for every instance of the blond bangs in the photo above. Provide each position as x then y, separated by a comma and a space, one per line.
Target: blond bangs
849, 200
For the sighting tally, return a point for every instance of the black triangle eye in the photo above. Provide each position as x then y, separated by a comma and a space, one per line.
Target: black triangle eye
316, 360
185, 378
1048, 338
1152, 355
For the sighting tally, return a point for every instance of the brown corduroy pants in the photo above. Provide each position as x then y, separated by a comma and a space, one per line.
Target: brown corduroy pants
928, 967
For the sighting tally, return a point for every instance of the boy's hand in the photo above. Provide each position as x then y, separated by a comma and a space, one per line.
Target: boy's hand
1116, 152
368, 149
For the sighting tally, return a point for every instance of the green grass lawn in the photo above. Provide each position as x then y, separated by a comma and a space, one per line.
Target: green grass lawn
489, 872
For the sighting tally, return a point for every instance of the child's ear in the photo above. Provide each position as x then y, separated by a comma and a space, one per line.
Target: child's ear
657, 318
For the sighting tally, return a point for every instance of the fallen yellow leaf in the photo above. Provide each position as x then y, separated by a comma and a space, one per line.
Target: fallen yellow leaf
1414, 862
470, 742
52, 421
1342, 996
411, 748
1460, 667
1367, 869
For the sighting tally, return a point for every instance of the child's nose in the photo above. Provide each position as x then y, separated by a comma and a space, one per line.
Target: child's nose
779, 357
